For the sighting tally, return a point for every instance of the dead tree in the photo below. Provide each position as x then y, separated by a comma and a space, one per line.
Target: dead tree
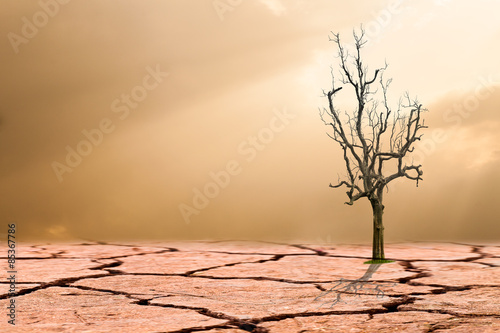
376, 140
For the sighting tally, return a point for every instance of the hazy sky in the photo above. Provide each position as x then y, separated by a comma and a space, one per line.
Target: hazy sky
115, 115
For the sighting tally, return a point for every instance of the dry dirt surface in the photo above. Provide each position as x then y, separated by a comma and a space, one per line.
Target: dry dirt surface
230, 287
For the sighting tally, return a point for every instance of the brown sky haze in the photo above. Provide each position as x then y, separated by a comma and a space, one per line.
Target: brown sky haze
243, 88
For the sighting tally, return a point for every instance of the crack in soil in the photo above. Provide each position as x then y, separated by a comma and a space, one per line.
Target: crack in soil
57, 255
392, 306
232, 322
56, 283
104, 266
303, 247
170, 249
261, 253
110, 291
252, 325
256, 278
455, 314
274, 258
65, 282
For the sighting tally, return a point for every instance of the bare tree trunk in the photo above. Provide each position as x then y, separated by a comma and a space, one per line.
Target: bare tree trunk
378, 230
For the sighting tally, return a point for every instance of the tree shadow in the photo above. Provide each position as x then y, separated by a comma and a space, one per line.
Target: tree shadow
357, 288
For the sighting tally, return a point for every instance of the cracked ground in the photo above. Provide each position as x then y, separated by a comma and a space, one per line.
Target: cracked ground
229, 286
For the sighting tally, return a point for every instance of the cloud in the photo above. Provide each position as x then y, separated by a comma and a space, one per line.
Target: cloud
225, 80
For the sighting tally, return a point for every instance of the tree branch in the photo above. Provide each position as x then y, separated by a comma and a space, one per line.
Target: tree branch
367, 136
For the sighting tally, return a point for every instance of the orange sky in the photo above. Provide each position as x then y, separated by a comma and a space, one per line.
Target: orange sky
181, 90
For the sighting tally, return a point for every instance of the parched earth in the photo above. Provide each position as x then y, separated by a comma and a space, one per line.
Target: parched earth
229, 287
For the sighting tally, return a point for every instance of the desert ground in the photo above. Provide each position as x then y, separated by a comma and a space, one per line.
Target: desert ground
238, 286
